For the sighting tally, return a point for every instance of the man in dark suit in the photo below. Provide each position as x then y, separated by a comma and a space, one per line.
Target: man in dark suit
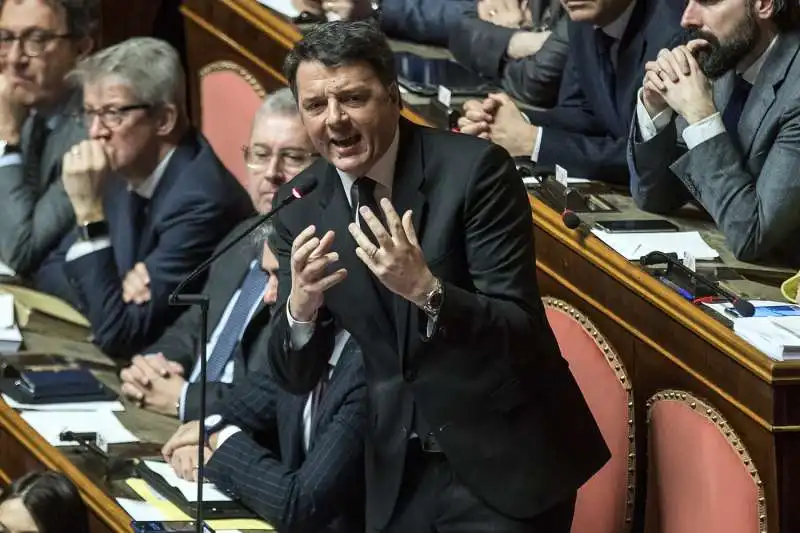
586, 132
40, 42
476, 422
164, 379
716, 122
312, 478
150, 197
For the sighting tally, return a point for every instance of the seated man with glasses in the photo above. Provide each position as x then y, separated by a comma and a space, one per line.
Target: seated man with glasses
241, 284
150, 197
40, 42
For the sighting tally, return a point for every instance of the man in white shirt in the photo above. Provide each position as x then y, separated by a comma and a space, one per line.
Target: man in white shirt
716, 121
241, 284
586, 132
145, 188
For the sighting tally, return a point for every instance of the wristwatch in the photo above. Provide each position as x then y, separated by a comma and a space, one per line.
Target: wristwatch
211, 425
434, 300
92, 230
7, 148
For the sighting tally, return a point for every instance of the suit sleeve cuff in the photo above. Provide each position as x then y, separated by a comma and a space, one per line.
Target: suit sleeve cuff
81, 248
706, 129
299, 332
226, 433
10, 159
650, 127
182, 402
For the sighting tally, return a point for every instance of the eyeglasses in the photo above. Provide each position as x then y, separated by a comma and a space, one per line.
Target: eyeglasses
110, 117
33, 42
258, 158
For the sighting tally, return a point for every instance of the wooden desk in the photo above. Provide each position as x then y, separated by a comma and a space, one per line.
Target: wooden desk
664, 341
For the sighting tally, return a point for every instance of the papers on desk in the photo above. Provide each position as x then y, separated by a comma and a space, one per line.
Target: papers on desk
10, 336
778, 337
113, 406
50, 424
284, 7
6, 270
632, 246
187, 488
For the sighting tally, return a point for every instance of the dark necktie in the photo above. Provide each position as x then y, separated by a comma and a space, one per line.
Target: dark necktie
316, 399
362, 193
252, 289
138, 211
733, 111
604, 42
35, 150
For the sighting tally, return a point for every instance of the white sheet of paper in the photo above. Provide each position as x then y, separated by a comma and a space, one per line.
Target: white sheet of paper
140, 510
114, 406
6, 270
284, 7
6, 311
50, 423
632, 246
187, 488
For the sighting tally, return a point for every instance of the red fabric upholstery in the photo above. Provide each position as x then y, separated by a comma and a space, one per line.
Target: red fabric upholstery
228, 103
698, 482
603, 502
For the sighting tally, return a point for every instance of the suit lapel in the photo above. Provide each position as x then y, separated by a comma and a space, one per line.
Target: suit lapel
336, 216
290, 413
769, 79
68, 132
409, 176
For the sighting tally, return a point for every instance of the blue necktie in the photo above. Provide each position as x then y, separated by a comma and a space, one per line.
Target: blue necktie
733, 111
251, 290
604, 42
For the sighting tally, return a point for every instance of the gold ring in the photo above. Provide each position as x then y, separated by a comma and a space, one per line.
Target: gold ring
492, 12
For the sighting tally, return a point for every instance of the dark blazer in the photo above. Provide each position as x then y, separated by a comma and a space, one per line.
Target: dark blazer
179, 343
318, 491
421, 21
491, 381
751, 192
588, 130
35, 212
195, 205
535, 80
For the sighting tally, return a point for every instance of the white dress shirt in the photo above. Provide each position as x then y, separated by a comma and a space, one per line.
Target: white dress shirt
699, 132
227, 372
146, 189
339, 343
615, 29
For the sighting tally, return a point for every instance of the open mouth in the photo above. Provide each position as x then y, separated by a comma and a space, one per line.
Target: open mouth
346, 142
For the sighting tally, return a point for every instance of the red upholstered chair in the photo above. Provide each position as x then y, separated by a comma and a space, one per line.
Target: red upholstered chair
700, 477
605, 502
229, 98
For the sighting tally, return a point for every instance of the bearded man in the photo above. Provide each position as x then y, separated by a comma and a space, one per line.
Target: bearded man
718, 123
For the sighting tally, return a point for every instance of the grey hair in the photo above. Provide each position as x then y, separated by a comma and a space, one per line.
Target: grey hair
280, 102
265, 232
82, 16
151, 67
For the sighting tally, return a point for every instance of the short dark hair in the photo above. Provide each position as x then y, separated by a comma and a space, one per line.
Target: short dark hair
52, 500
83, 16
340, 43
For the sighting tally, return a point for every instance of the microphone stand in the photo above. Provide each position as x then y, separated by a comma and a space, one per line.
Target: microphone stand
202, 300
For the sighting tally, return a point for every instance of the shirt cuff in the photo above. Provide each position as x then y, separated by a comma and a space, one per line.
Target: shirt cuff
706, 129
81, 248
299, 332
226, 433
537, 145
182, 402
650, 127
10, 159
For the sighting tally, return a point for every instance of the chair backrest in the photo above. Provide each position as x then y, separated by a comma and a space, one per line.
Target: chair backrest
229, 98
605, 502
700, 476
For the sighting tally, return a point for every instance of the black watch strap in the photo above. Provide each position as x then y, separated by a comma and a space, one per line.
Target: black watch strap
93, 230
8, 148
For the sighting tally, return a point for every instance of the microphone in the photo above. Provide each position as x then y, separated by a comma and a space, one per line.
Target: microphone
570, 219
542, 173
743, 307
177, 298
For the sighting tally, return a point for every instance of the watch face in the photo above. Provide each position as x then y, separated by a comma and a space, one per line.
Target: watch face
436, 299
212, 420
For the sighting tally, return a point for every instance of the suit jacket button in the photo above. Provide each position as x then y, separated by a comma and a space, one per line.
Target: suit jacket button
409, 374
